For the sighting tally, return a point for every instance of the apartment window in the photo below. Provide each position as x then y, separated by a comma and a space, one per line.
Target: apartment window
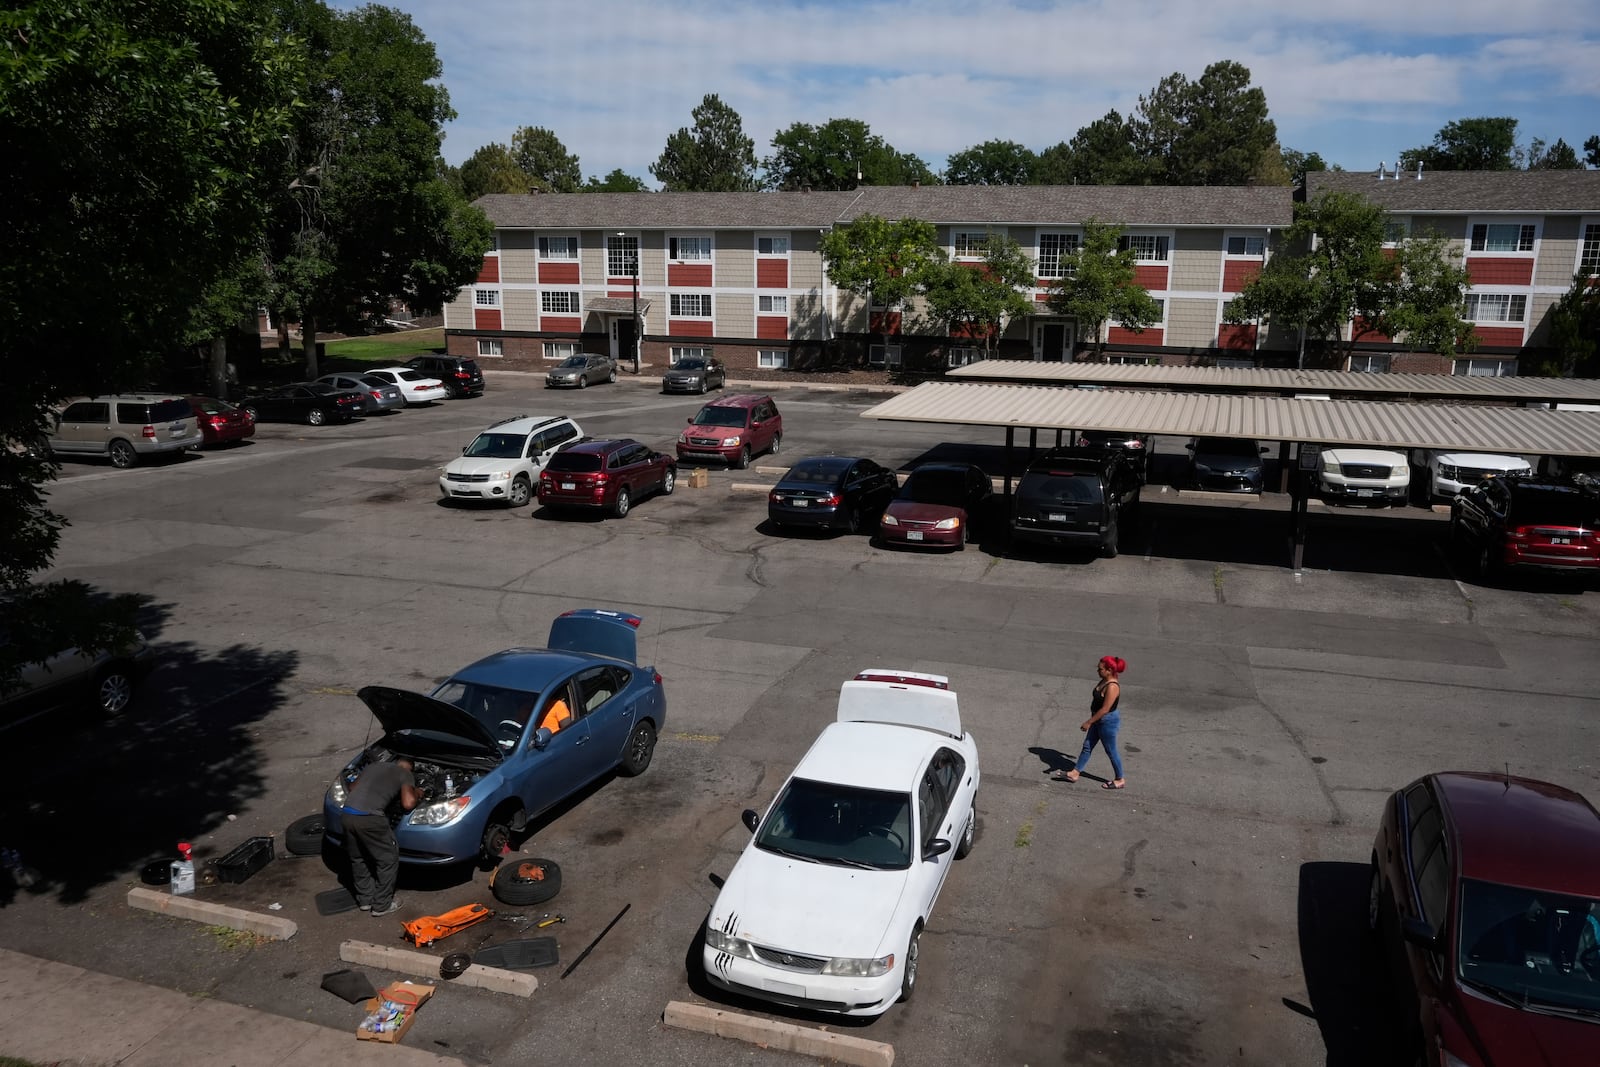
1485, 368
1495, 307
691, 305
1371, 363
486, 298
560, 349
558, 248
1396, 230
1161, 314
772, 305
772, 358
960, 357
1502, 237
490, 346
1147, 247
553, 302
969, 244
1248, 247
622, 256
1055, 254
1134, 361
494, 242
689, 249
690, 353
772, 246
1589, 258
884, 355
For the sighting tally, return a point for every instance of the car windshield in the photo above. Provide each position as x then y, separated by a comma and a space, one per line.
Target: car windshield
413, 376
1110, 439
170, 410
497, 446
373, 379
573, 461
1061, 487
1540, 949
947, 487
840, 824
574, 361
496, 708
711, 415
689, 364
210, 406
1219, 447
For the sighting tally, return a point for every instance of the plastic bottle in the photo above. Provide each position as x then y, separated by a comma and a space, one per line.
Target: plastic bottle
183, 869
449, 784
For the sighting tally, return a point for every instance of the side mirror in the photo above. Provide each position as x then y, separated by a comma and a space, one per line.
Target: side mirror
542, 736
935, 848
1420, 933
463, 450
690, 420
750, 819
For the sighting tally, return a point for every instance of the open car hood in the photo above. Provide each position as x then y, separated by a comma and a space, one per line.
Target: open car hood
410, 719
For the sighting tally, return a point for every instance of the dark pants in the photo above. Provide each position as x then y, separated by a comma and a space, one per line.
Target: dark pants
374, 858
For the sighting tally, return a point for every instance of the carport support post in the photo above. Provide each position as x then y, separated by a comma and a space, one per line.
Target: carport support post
1284, 473
1300, 508
1011, 440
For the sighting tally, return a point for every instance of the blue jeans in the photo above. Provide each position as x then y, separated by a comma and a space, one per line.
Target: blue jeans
1103, 732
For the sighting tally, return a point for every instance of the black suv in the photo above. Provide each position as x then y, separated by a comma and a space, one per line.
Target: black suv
460, 375
1075, 496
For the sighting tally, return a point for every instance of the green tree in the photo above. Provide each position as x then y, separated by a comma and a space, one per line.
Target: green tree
829, 157
1053, 166
1575, 328
545, 160
1297, 163
991, 163
138, 147
888, 261
1591, 151
1424, 295
978, 300
1213, 131
617, 181
1468, 144
714, 156
1101, 153
491, 169
1097, 286
1558, 156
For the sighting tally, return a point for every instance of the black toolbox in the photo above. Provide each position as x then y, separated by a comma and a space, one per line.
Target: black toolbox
245, 860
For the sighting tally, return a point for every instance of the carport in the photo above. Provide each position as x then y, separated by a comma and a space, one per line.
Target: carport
1303, 422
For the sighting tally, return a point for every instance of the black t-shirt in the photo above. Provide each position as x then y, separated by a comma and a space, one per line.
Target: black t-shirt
378, 787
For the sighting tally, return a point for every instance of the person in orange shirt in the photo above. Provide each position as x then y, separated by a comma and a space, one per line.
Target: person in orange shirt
556, 716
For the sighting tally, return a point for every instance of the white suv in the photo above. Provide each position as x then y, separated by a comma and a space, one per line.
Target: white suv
1365, 475
502, 463
1451, 472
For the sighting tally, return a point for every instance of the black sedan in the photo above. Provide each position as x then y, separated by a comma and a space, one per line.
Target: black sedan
831, 493
313, 403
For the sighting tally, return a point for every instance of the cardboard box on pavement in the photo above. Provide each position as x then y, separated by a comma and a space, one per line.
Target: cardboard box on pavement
699, 478
408, 996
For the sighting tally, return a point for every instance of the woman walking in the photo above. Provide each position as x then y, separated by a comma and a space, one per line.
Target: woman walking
1102, 724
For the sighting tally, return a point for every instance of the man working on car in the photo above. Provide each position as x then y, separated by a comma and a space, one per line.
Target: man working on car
368, 836
556, 716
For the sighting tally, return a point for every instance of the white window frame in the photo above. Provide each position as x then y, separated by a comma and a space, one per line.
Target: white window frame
1371, 363
1133, 361
1589, 245
676, 303
1147, 247
772, 304
775, 238
1069, 244
568, 245
961, 356
559, 350
1484, 368
1510, 302
1396, 230
622, 250
1246, 239
491, 348
560, 302
885, 355
485, 298
970, 244
1161, 322
1527, 232
689, 248
689, 352
772, 358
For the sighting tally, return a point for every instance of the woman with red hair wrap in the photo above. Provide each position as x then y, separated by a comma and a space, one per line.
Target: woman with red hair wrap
1103, 723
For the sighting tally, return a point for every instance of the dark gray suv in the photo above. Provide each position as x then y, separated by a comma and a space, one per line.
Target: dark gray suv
1076, 496
460, 375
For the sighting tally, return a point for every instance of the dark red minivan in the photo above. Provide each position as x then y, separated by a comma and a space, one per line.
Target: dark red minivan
1485, 896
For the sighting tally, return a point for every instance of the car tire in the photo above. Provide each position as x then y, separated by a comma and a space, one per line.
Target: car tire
316, 417
113, 689
1375, 901
304, 836
1485, 563
777, 444
852, 522
669, 481
583, 382
702, 387
641, 747
252, 413
525, 881
743, 461
970, 834
620, 506
1108, 548
908, 974
122, 455
613, 378
521, 492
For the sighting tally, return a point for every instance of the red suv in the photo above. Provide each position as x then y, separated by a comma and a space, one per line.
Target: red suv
1527, 521
1485, 894
606, 475
732, 429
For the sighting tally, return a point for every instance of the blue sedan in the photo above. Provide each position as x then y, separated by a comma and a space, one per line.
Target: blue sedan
511, 736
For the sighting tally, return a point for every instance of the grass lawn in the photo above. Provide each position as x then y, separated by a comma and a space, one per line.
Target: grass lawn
386, 348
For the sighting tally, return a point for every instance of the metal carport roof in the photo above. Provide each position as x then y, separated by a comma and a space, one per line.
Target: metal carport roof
1375, 424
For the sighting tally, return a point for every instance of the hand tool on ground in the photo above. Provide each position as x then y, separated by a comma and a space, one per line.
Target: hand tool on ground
549, 920
582, 955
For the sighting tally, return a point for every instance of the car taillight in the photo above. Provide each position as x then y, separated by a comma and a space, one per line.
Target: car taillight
833, 501
376, 395
657, 677
418, 388
462, 374
774, 498
148, 431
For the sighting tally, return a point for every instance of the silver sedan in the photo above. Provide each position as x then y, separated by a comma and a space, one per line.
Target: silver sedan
382, 397
582, 370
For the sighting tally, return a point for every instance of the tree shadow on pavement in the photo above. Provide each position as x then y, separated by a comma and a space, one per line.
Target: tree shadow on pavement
1344, 981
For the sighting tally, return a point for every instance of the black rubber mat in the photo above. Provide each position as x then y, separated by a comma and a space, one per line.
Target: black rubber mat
353, 986
335, 901
521, 955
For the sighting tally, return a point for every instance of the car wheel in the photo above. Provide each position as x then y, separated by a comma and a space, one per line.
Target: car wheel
641, 746
964, 846
525, 881
702, 387
1374, 900
304, 836
113, 690
521, 492
669, 481
316, 417
620, 508
613, 378
1485, 563
122, 455
1108, 548
583, 382
852, 522
743, 462
496, 840
777, 444
908, 975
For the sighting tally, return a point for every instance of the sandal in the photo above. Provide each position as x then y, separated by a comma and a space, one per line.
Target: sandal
1064, 776
1114, 785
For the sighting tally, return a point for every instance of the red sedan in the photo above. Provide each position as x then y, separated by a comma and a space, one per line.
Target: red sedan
940, 504
605, 476
220, 422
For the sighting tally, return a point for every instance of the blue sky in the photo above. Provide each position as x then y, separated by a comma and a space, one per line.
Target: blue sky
1358, 81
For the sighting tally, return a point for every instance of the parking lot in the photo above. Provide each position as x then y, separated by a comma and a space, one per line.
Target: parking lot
1211, 912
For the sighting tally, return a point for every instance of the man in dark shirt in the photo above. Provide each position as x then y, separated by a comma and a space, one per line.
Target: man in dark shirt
368, 837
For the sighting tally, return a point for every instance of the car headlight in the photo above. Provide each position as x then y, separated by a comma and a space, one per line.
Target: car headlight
951, 523
729, 442
337, 792
850, 968
441, 814
724, 942
499, 476
684, 437
1447, 473
890, 520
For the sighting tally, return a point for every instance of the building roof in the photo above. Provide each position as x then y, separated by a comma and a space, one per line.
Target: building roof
1239, 379
629, 211
1343, 422
1478, 192
616, 305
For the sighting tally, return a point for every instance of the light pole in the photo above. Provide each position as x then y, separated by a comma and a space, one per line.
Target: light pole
633, 261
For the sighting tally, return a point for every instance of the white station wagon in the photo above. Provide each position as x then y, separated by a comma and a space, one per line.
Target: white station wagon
828, 900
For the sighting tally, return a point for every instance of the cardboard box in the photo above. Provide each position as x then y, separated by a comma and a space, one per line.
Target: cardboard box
412, 995
699, 478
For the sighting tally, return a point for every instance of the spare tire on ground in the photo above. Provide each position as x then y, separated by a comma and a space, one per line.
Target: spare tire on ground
525, 880
304, 836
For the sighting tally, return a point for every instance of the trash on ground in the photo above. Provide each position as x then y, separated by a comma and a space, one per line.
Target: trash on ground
391, 1013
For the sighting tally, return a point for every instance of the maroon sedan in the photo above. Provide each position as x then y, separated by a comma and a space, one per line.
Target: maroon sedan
1486, 897
605, 476
940, 504
220, 422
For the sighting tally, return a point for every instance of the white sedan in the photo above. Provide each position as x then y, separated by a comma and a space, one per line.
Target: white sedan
827, 903
415, 386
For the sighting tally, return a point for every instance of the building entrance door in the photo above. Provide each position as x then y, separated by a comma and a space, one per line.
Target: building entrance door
1052, 342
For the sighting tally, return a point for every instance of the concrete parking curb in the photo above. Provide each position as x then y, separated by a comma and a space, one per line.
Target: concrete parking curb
422, 965
748, 487
786, 1037
186, 907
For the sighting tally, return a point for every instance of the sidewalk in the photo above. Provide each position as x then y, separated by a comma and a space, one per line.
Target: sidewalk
53, 1013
